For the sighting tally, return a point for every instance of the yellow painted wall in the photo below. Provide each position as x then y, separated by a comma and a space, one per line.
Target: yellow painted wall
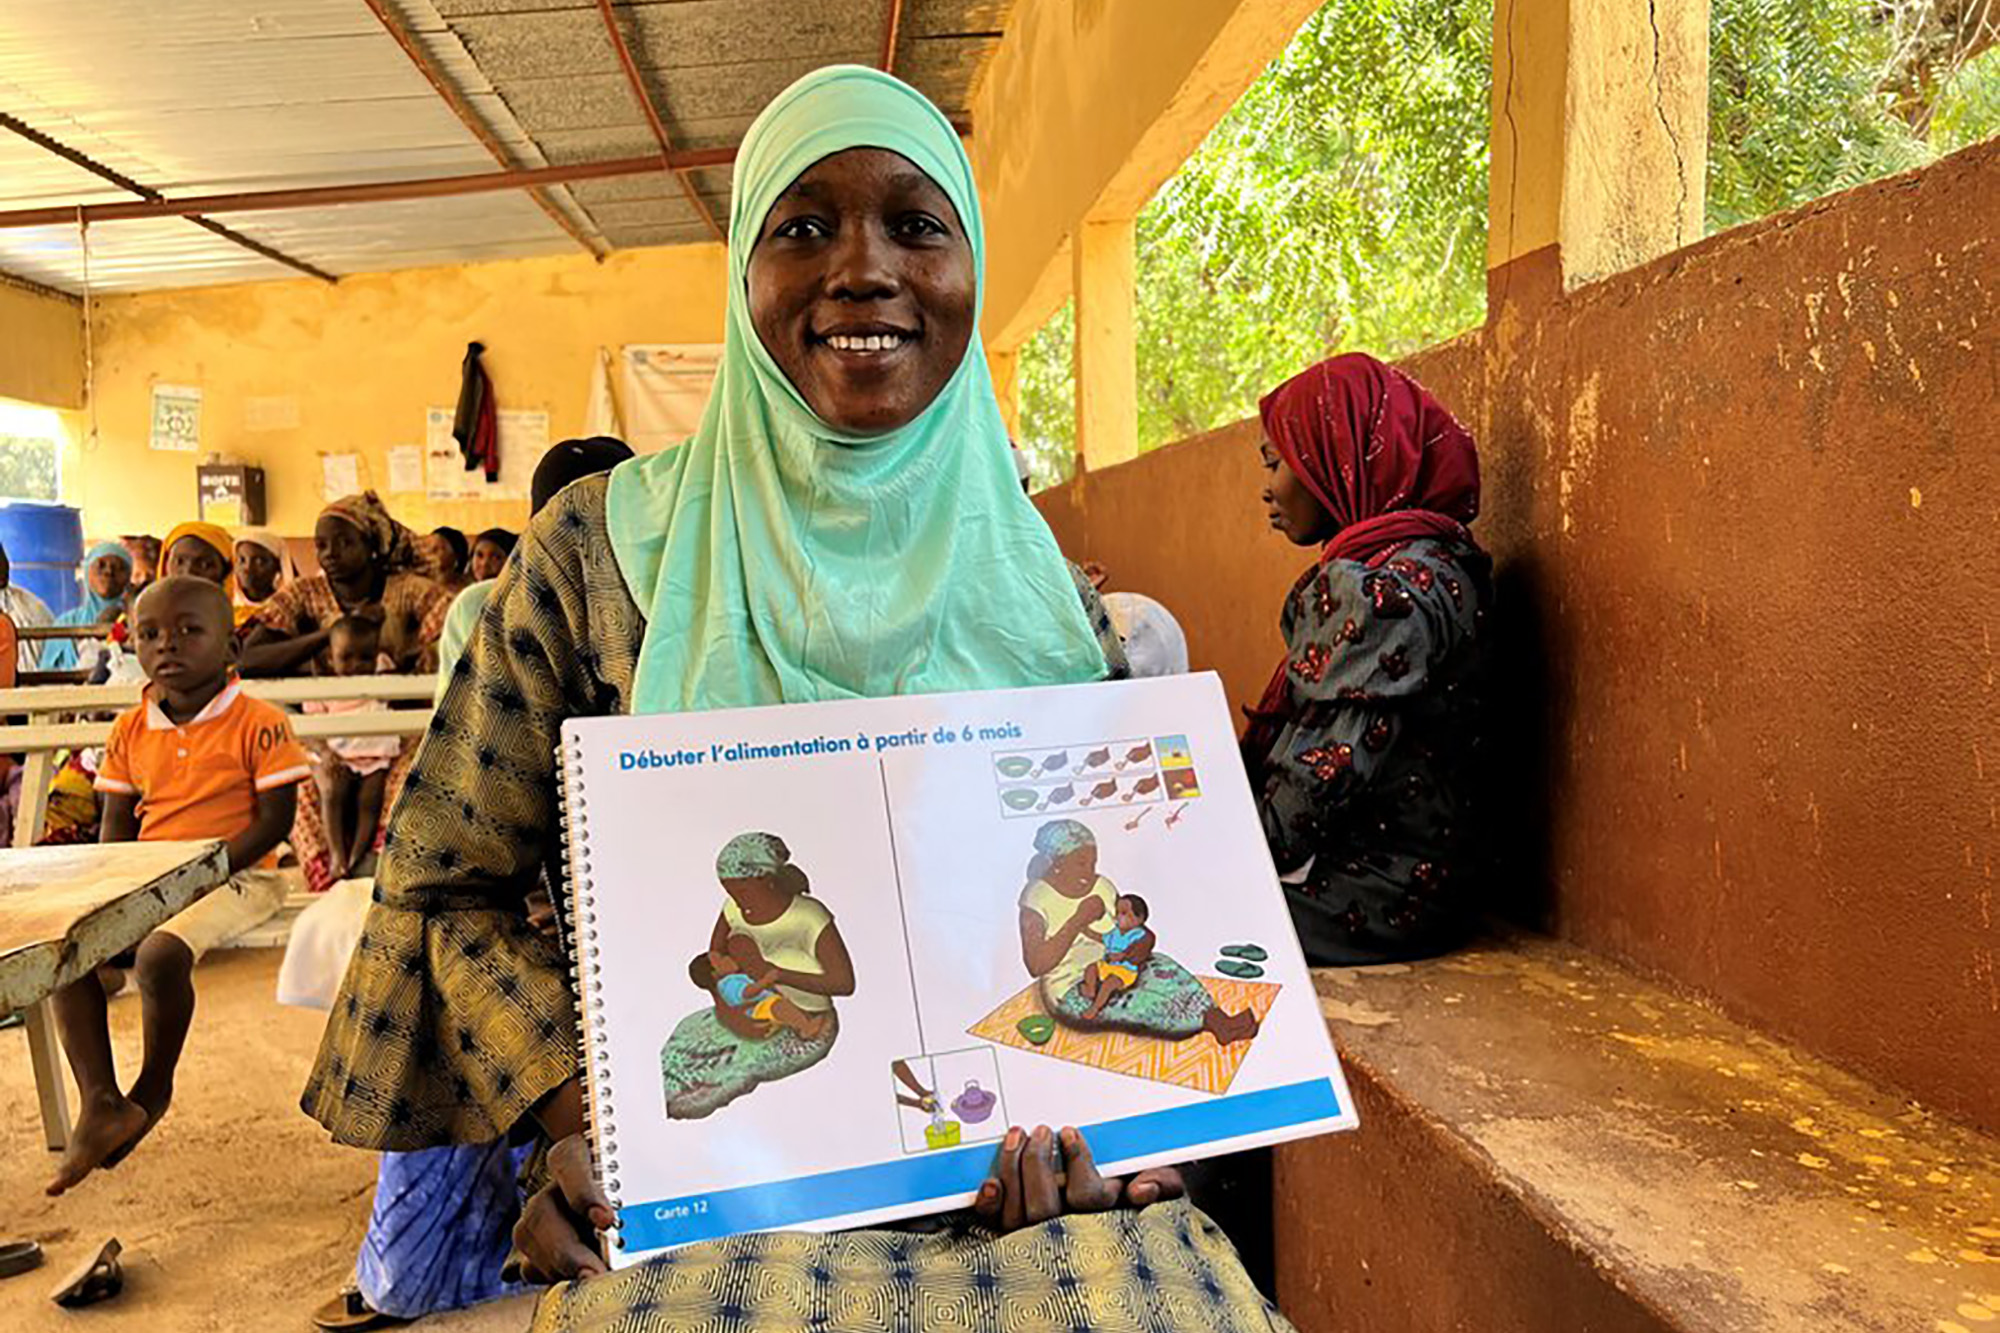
1087, 107
359, 362
41, 347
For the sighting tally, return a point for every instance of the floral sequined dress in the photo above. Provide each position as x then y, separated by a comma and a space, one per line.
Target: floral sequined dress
1366, 788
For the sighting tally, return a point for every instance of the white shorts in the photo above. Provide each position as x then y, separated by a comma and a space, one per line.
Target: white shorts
248, 900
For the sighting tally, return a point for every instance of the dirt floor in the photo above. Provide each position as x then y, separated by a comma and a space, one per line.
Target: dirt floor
237, 1213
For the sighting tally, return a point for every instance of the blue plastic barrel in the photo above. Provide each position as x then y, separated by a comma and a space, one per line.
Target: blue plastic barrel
45, 547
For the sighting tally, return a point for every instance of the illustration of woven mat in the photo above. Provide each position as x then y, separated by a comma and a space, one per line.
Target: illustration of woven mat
1197, 1062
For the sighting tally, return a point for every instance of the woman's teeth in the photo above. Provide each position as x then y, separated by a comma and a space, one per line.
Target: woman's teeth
874, 342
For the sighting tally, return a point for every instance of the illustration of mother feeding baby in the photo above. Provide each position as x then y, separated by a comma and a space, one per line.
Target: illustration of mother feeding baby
774, 964
1092, 952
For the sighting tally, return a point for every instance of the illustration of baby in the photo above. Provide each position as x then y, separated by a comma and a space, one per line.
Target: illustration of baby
1127, 948
748, 1000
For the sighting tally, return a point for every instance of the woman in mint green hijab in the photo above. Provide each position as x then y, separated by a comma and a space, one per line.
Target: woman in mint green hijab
845, 522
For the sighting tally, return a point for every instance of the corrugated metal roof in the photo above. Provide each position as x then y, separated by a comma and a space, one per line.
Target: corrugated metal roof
205, 96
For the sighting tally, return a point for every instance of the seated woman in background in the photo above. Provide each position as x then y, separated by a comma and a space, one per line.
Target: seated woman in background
107, 586
1359, 751
365, 560
450, 554
490, 550
261, 564
201, 551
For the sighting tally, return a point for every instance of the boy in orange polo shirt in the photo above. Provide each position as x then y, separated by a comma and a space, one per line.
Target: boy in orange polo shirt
196, 759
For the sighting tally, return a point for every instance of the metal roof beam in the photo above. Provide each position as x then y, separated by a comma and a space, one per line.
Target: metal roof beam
469, 118
645, 100
150, 195
892, 26
377, 192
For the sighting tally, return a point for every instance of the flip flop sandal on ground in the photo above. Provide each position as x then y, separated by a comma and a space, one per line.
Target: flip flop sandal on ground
98, 1278
18, 1257
1249, 953
1236, 967
349, 1311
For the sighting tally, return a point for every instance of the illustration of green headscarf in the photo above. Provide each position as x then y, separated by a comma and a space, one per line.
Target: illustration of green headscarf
779, 560
752, 855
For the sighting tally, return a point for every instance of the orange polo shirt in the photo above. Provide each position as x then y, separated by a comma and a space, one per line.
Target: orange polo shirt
201, 779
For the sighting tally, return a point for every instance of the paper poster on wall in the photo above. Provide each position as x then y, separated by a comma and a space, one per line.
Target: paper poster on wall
524, 438
176, 418
663, 391
406, 469
339, 475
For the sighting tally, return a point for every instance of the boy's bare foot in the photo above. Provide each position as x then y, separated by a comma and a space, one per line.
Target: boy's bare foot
106, 1125
155, 1103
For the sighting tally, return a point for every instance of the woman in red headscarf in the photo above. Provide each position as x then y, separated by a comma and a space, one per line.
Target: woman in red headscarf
1360, 748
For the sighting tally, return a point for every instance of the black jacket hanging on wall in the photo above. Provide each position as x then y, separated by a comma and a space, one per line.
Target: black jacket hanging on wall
476, 425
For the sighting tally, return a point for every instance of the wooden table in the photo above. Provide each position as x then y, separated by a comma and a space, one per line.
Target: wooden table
65, 910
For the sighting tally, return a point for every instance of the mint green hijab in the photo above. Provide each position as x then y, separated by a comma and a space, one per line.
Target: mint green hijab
779, 560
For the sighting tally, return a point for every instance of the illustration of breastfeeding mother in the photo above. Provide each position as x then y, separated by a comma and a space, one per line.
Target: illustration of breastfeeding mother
773, 966
1067, 910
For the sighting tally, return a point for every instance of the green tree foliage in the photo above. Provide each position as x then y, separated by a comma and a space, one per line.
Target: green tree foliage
1342, 202
28, 468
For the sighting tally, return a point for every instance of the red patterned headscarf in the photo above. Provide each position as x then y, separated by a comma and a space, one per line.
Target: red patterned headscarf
1388, 462
1384, 457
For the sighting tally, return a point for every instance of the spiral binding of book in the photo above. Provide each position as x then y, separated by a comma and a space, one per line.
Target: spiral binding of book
600, 1123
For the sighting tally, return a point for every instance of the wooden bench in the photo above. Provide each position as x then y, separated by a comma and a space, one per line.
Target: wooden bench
1549, 1142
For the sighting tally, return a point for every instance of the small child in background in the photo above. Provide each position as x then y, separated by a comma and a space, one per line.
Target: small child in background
735, 990
1127, 948
353, 770
196, 759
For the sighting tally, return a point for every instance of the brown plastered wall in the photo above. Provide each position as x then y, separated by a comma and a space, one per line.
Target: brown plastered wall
1746, 506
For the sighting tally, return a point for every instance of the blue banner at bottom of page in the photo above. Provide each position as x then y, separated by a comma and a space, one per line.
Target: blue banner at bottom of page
861, 1189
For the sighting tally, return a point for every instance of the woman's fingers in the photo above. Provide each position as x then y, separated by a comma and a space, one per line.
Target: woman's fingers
1155, 1186
1041, 1189
573, 1174
999, 1202
550, 1240
1084, 1189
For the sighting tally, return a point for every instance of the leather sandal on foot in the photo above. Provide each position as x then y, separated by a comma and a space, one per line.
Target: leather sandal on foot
350, 1311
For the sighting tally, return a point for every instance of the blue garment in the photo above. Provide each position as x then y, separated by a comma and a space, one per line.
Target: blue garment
61, 654
441, 1229
1118, 941
738, 989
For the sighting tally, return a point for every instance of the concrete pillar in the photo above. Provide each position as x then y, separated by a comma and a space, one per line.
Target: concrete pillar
1600, 134
1005, 370
1107, 382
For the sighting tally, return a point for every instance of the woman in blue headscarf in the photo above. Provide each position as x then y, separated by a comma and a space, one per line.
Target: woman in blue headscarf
107, 577
845, 522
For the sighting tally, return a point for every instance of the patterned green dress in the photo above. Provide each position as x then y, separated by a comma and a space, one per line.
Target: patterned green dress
456, 1017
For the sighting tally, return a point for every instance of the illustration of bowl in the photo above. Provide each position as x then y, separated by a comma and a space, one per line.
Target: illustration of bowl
1037, 1028
941, 1134
1014, 766
974, 1104
1019, 798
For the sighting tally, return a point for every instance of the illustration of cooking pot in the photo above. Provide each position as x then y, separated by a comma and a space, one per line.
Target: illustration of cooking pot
974, 1104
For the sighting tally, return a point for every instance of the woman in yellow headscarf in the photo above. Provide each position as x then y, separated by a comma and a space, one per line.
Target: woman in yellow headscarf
200, 551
